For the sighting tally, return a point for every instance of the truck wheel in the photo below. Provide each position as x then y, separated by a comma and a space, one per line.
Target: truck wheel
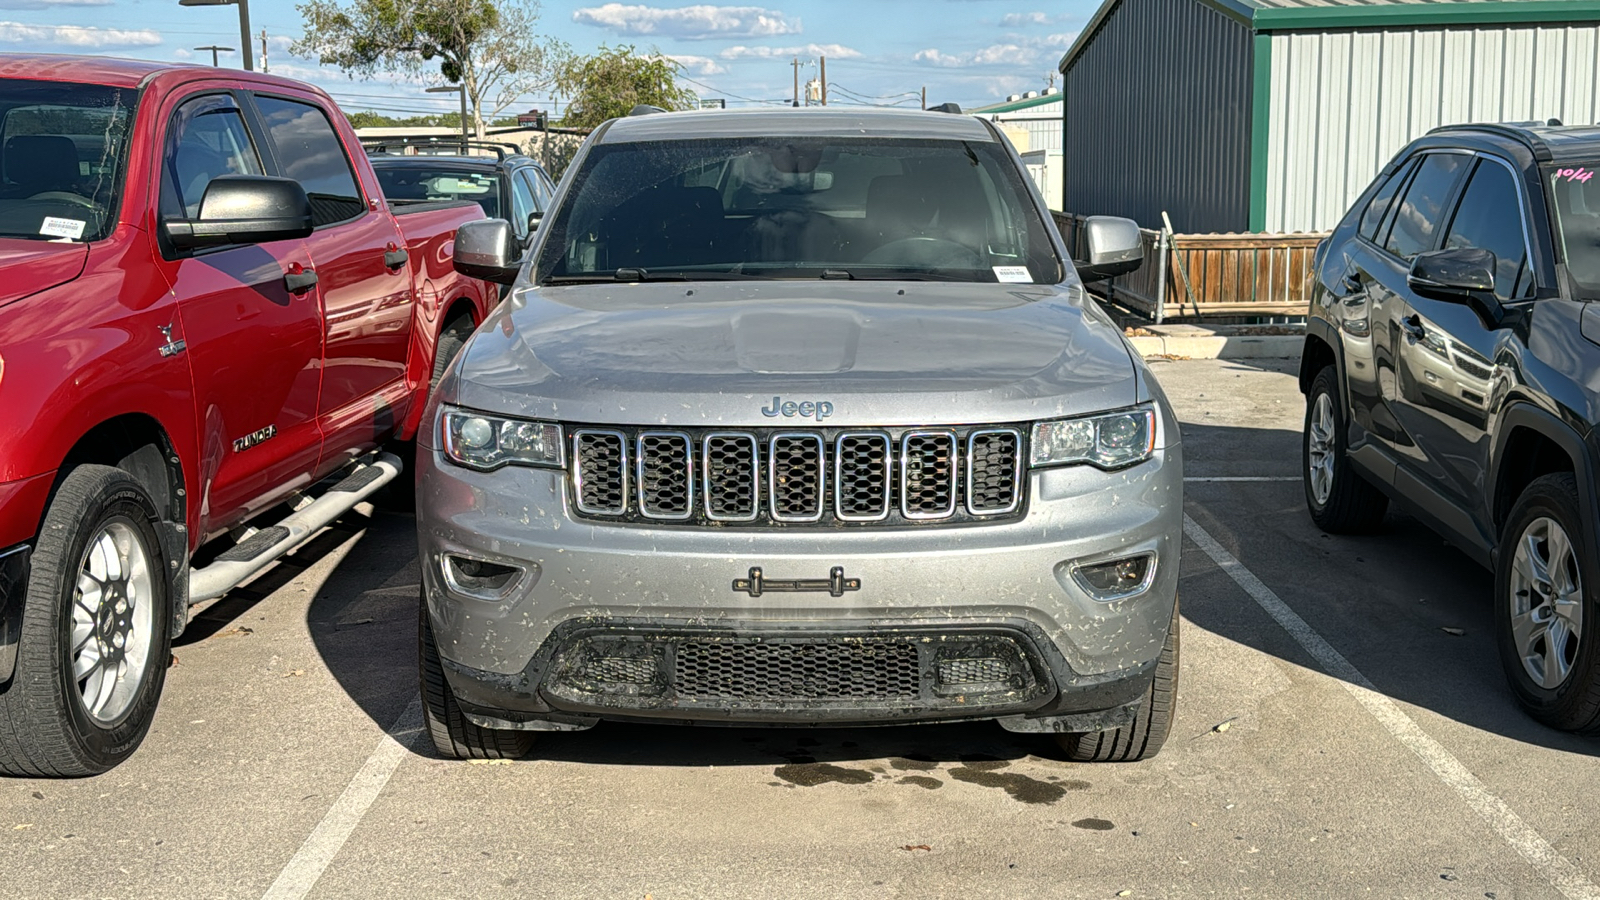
93, 653
451, 340
1143, 738
1340, 500
453, 735
1547, 591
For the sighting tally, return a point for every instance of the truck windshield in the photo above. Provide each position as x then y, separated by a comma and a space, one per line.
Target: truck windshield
412, 183
777, 207
62, 150
1575, 190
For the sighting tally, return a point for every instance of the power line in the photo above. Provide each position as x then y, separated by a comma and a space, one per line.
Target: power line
728, 93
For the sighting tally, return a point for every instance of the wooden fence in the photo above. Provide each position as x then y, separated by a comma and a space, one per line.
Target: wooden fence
1227, 274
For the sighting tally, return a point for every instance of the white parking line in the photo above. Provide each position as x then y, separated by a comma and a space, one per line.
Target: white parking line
325, 841
1561, 873
1243, 478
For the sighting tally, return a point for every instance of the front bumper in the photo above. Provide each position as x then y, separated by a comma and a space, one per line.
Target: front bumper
508, 656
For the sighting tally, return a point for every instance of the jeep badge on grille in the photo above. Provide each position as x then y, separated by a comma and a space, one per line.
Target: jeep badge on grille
808, 409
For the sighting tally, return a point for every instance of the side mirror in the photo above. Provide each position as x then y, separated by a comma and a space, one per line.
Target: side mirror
1114, 246
1452, 274
487, 249
534, 218
245, 209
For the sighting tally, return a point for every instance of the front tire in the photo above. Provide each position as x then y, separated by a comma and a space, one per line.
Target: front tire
1151, 724
453, 734
1547, 592
92, 658
1339, 499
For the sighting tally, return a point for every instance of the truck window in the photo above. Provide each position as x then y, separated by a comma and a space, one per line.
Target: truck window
207, 138
1417, 217
1489, 217
309, 151
1575, 194
1373, 216
63, 148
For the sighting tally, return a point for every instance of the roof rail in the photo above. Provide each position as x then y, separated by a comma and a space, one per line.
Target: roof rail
1516, 131
424, 144
645, 109
952, 108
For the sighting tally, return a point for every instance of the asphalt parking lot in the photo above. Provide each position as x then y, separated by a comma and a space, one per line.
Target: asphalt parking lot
1343, 729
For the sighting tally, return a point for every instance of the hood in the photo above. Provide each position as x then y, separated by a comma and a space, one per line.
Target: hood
28, 267
718, 353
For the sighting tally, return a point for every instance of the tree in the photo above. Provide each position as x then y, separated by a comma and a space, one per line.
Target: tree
615, 80
490, 48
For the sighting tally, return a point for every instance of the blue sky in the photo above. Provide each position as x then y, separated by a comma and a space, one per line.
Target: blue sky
882, 51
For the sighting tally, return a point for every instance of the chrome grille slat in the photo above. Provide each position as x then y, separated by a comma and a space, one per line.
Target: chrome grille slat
600, 471
994, 471
730, 465
665, 475
928, 474
796, 476
863, 464
894, 476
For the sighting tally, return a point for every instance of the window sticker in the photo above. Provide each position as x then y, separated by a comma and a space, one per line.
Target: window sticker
1013, 275
72, 229
1579, 175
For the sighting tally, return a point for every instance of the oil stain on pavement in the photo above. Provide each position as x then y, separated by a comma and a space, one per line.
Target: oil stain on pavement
811, 774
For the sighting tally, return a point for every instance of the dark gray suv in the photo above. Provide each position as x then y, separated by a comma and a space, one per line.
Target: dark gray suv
1450, 366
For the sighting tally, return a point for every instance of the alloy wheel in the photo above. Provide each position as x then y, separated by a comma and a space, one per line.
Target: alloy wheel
1320, 449
1546, 602
112, 620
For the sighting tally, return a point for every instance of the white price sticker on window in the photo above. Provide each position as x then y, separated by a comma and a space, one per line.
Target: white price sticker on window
62, 228
1013, 275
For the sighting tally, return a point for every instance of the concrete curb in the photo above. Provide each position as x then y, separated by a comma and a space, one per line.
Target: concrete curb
1220, 346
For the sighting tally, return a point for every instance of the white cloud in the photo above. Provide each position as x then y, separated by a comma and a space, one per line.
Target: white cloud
689, 22
49, 4
183, 53
698, 65
1019, 20
837, 51
935, 58
77, 36
1016, 52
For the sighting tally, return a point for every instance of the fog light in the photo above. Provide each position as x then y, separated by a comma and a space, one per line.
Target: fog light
1116, 578
478, 577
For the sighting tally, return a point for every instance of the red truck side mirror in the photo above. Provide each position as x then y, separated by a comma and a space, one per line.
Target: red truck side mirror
245, 209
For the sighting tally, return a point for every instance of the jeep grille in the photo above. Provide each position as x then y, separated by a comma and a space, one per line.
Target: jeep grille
904, 476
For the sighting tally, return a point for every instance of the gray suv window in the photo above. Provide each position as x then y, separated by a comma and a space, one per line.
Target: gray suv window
1489, 217
1372, 218
1417, 217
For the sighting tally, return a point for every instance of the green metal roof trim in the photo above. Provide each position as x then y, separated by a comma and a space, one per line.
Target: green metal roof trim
1015, 105
1307, 15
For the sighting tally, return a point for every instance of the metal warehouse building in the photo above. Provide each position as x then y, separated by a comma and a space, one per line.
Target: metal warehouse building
1273, 115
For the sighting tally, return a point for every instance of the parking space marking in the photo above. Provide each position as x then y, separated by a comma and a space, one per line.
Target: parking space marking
325, 841
1222, 478
1556, 869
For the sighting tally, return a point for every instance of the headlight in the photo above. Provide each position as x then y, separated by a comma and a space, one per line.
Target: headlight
1108, 441
481, 441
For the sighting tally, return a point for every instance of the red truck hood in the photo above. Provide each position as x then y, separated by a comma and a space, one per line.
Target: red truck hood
28, 267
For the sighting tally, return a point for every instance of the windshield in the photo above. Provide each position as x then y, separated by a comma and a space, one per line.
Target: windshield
942, 210
411, 183
62, 150
1575, 190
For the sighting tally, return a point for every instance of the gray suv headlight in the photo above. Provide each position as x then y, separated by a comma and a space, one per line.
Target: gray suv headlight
1110, 440
484, 442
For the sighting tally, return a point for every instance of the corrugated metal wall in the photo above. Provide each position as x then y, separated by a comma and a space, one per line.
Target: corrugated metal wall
1157, 116
1343, 103
1043, 134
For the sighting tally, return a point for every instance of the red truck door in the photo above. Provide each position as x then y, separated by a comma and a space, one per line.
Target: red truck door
362, 273
254, 349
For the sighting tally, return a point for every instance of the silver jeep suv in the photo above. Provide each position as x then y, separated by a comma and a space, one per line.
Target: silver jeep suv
799, 417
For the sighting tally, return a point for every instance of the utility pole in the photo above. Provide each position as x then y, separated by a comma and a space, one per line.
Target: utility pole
264, 69
924, 97
824, 79
796, 65
214, 50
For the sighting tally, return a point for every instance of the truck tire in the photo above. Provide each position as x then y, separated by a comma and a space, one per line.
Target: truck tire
1547, 607
95, 643
1151, 724
454, 736
451, 339
1339, 499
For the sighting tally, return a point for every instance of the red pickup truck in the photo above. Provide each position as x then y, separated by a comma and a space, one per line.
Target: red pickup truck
211, 327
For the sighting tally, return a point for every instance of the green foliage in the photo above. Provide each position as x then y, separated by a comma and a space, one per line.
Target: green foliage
616, 79
490, 47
